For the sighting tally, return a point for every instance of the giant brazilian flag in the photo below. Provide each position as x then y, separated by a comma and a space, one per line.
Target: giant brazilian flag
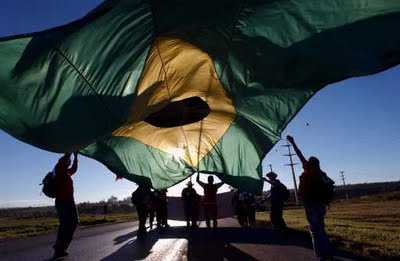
155, 89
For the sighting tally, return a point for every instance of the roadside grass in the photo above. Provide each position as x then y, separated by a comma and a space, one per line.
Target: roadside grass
28, 227
369, 226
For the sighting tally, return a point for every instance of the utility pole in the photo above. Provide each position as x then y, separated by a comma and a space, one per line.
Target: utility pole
342, 176
292, 164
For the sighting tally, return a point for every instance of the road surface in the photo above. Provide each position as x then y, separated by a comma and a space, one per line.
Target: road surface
118, 242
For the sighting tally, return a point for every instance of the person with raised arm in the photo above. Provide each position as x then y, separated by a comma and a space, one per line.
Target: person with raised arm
278, 195
65, 203
210, 199
316, 191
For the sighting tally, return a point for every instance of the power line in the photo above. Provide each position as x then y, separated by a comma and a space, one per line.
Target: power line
343, 177
292, 164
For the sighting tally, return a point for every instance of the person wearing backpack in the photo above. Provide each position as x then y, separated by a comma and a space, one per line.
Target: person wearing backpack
316, 191
278, 195
65, 203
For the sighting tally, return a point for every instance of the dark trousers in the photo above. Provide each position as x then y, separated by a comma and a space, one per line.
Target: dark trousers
246, 215
252, 216
242, 215
191, 214
142, 215
211, 213
315, 213
276, 215
151, 218
68, 218
162, 215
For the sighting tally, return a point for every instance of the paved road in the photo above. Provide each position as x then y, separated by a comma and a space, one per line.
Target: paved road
118, 242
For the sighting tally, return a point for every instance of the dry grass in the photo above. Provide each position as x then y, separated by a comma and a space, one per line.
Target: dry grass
27, 227
368, 226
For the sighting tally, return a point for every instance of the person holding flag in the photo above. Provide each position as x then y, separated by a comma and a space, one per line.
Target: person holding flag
278, 195
316, 191
210, 200
65, 203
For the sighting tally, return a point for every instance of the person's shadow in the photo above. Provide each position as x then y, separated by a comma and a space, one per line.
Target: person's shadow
213, 244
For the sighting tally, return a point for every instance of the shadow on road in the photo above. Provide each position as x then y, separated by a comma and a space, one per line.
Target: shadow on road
121, 239
214, 244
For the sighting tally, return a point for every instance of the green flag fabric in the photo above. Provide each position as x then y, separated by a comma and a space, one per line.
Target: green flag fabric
157, 89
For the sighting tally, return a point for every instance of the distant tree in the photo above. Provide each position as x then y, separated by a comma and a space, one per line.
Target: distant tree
112, 200
126, 201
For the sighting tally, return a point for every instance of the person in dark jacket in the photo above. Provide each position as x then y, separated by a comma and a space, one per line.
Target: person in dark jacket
65, 203
278, 198
141, 199
311, 191
190, 200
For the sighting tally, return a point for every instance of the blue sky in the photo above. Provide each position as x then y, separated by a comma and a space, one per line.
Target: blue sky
353, 125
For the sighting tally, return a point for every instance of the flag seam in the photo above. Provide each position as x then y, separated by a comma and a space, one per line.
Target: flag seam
81, 75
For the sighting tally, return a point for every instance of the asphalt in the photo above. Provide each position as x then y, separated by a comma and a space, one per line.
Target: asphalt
119, 242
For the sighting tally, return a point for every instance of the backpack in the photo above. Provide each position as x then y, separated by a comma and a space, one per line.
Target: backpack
134, 198
139, 197
49, 185
284, 192
328, 189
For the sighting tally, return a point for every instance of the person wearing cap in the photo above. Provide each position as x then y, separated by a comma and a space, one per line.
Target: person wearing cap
278, 198
190, 200
65, 203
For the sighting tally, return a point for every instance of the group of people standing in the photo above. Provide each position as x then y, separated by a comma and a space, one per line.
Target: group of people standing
244, 204
315, 190
150, 204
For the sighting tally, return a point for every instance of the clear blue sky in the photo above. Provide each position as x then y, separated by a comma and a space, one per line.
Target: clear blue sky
353, 125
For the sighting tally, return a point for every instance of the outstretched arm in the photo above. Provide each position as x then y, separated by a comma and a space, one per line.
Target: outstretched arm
267, 180
74, 167
210, 172
218, 185
198, 181
297, 150
213, 173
